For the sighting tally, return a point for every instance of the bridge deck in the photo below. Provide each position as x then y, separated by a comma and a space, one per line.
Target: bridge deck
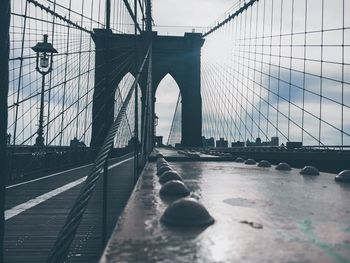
30, 234
304, 219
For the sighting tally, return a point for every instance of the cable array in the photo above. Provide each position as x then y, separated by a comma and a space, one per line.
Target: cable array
66, 236
279, 69
175, 128
69, 90
70, 85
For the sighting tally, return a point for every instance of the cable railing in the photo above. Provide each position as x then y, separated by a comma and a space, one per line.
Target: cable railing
66, 235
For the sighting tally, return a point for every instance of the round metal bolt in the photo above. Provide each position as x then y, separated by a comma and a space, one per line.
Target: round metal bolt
250, 162
264, 163
169, 176
239, 160
160, 160
187, 212
175, 188
162, 163
309, 170
283, 167
163, 169
343, 176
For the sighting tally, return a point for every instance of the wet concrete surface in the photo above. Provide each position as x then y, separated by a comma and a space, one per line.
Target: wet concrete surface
261, 215
172, 154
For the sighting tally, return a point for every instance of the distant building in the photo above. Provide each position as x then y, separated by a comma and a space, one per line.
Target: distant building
237, 144
258, 141
294, 145
208, 142
158, 141
9, 138
274, 141
131, 143
222, 143
76, 143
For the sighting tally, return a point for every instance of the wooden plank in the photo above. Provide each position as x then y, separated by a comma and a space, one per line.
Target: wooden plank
30, 235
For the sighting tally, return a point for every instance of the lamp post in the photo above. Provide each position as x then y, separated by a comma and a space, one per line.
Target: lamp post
156, 120
44, 52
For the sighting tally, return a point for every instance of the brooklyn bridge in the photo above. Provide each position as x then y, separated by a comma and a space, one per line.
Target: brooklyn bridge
175, 131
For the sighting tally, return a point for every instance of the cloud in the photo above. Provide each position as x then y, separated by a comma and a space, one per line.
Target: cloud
189, 14
251, 85
235, 67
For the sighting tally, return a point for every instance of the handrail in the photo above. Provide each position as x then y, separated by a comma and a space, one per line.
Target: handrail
66, 236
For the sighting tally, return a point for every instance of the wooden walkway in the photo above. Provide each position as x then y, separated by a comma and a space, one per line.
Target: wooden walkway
30, 235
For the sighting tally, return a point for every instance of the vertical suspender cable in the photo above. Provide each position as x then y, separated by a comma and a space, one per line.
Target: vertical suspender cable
18, 85
304, 76
50, 81
342, 77
20, 73
321, 75
65, 76
136, 113
290, 70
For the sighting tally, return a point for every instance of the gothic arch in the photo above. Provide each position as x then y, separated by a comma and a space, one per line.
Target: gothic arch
177, 56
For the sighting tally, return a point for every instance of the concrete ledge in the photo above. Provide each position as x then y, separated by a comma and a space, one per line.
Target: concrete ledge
261, 215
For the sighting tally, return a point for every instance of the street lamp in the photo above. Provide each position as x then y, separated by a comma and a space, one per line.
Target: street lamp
155, 123
156, 119
44, 52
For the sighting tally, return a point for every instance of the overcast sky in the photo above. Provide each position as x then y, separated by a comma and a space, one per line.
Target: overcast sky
179, 16
221, 51
199, 14
175, 17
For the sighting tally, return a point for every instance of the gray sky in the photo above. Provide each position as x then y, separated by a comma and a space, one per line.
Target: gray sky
220, 51
174, 17
187, 13
199, 14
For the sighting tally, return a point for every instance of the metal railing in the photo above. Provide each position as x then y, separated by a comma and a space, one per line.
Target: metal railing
66, 236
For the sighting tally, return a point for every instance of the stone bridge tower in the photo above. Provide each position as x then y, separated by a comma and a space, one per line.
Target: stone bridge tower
178, 56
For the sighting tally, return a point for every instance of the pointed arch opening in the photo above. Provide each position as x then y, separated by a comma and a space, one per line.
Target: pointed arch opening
168, 111
125, 134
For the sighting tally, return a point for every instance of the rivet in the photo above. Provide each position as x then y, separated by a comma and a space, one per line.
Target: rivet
283, 167
250, 161
163, 169
161, 164
264, 163
309, 170
343, 176
187, 212
168, 176
239, 160
174, 187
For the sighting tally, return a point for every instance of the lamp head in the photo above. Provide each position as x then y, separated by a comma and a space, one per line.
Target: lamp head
43, 51
44, 47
